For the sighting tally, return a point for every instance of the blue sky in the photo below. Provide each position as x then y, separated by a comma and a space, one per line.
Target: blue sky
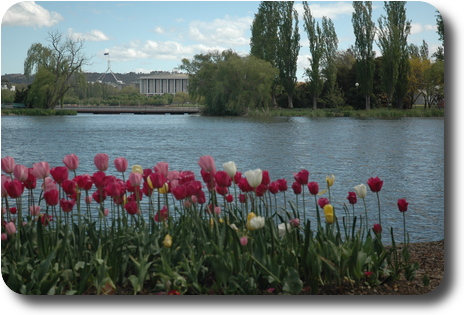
143, 36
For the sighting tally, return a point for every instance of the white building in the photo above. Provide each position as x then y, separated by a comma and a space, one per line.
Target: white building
158, 84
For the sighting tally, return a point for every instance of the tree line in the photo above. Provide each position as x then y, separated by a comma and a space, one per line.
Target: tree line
353, 78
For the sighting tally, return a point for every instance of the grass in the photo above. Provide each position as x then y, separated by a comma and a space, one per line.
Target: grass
36, 112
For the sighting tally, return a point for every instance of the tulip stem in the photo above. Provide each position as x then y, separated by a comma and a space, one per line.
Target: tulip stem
378, 203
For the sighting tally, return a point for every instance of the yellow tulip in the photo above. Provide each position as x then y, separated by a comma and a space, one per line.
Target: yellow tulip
137, 169
150, 184
167, 241
329, 213
254, 222
330, 180
164, 189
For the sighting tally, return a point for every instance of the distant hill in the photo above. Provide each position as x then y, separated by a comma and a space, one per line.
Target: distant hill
126, 78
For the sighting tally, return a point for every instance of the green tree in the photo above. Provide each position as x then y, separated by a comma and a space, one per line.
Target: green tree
393, 32
288, 48
364, 31
54, 68
228, 83
329, 71
440, 54
316, 49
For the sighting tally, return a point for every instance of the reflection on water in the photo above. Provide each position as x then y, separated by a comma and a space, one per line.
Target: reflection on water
408, 154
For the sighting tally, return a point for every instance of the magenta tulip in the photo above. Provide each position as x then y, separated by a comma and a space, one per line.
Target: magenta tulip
296, 186
131, 208
322, 202
98, 178
274, 187
101, 161
162, 215
15, 188
302, 177
402, 205
31, 181
313, 188
69, 187
377, 229
282, 184
375, 184
51, 197
59, 173
120, 164
8, 164
71, 161
352, 199
266, 178
223, 179
41, 170
157, 180
84, 181
67, 205
20, 172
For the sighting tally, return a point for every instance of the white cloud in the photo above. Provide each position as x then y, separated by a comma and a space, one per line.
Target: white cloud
417, 28
331, 10
30, 14
159, 30
91, 36
228, 31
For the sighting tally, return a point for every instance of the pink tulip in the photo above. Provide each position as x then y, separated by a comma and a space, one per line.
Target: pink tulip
206, 163
244, 241
41, 170
4, 236
101, 161
120, 164
71, 161
135, 179
162, 167
34, 210
8, 164
295, 222
10, 228
5, 181
88, 200
48, 184
106, 212
20, 172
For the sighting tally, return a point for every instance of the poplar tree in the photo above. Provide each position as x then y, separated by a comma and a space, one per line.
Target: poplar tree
330, 41
364, 31
392, 40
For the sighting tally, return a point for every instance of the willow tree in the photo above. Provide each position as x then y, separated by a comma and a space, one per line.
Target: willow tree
393, 33
316, 49
364, 31
54, 67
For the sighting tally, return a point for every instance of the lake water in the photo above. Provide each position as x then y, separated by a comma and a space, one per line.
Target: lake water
407, 154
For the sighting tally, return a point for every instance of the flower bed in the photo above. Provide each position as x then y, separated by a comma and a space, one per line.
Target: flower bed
162, 231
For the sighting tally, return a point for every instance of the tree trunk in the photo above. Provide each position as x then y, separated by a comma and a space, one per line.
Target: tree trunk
314, 102
368, 102
290, 101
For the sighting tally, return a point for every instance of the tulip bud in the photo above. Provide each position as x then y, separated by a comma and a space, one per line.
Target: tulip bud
167, 241
402, 205
10, 228
329, 213
330, 180
137, 169
244, 241
361, 190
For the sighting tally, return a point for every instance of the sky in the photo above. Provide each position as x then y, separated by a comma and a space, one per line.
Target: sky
145, 36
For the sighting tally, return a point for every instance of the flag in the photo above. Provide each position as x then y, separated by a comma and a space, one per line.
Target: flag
106, 54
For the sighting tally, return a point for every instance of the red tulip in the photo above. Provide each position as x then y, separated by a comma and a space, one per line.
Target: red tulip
352, 199
41, 170
84, 181
377, 228
244, 185
45, 219
186, 177
207, 164
302, 177
59, 173
98, 178
162, 215
8, 164
14, 188
266, 178
237, 177
99, 196
282, 184
222, 190
274, 187
229, 198
131, 207
20, 172
402, 205
296, 186
71, 161
313, 188
120, 164
375, 184
67, 205
179, 192
13, 210
69, 187
322, 202
51, 197
260, 190
157, 179
223, 179
31, 181
101, 161
201, 198
242, 198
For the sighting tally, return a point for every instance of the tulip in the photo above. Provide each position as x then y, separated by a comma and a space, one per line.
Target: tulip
20, 172
48, 184
322, 202
207, 164
101, 161
244, 185
106, 212
164, 189
69, 187
59, 173
244, 241
274, 188
352, 198
313, 188
375, 184
296, 186
131, 207
135, 179
223, 179
377, 228
71, 161
167, 242
31, 181
301, 177
230, 168
84, 181
120, 164
8, 164
329, 213
162, 215
295, 222
221, 190
67, 205
229, 198
45, 219
242, 198
254, 177
237, 177
283, 228
361, 190
98, 178
5, 182
41, 170
402, 205
137, 169
4, 236
10, 228
51, 197
156, 180
34, 210
254, 222
282, 183
14, 188
13, 210
162, 167
179, 192
266, 179
330, 180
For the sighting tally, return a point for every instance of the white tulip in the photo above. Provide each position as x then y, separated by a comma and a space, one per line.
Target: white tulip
283, 228
230, 168
256, 223
254, 177
361, 190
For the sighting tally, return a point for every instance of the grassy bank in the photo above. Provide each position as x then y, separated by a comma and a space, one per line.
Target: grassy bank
373, 113
36, 112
